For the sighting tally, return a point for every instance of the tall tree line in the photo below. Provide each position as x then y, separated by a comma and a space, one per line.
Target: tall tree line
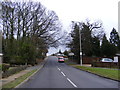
93, 39
29, 29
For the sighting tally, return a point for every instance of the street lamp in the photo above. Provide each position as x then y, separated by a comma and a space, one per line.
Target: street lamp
80, 47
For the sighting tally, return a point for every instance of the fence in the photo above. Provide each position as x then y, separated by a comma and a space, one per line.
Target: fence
89, 60
106, 64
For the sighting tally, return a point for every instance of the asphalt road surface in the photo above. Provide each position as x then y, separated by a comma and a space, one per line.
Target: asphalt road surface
60, 75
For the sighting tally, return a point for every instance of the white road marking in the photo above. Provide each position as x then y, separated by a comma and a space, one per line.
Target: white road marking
67, 78
63, 74
59, 69
71, 82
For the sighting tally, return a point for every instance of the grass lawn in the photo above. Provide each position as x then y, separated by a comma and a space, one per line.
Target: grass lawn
18, 80
113, 74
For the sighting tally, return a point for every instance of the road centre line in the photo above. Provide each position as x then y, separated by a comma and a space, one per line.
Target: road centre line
59, 69
67, 78
71, 82
63, 74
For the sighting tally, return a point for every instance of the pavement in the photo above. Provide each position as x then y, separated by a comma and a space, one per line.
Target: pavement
21, 73
60, 75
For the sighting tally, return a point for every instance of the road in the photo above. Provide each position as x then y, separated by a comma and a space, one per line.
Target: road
60, 75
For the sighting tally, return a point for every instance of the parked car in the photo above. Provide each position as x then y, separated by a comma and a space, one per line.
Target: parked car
61, 59
106, 60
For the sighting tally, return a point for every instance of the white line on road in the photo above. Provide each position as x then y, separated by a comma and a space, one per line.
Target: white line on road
71, 82
63, 74
58, 69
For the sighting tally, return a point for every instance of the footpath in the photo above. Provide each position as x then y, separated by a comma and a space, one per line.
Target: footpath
13, 77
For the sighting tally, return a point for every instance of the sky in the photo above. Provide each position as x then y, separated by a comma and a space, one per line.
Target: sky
79, 10
105, 11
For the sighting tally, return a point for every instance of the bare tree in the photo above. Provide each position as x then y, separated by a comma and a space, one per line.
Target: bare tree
28, 24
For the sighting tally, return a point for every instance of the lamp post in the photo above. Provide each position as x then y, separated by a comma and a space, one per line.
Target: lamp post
1, 55
80, 47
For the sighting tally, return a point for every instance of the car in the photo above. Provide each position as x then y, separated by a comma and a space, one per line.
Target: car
61, 59
106, 60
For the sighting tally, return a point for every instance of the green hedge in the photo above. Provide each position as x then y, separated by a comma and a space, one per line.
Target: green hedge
0, 67
0, 71
5, 67
13, 71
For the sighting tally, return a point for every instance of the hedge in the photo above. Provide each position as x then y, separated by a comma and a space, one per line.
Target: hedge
13, 71
5, 67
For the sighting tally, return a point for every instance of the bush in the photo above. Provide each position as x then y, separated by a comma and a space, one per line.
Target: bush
5, 67
0, 67
17, 60
13, 71
0, 70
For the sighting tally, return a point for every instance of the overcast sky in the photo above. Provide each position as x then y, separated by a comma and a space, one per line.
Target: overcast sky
79, 10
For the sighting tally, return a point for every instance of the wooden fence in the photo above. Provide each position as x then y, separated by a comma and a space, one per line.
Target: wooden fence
106, 64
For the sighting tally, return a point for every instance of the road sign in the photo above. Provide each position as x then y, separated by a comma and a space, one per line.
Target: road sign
115, 59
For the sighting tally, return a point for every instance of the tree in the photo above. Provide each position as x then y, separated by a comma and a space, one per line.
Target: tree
96, 46
29, 29
86, 40
65, 53
107, 49
60, 51
8, 18
74, 44
115, 39
0, 41
91, 34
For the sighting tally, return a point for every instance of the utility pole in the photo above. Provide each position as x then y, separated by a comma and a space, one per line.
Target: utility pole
80, 47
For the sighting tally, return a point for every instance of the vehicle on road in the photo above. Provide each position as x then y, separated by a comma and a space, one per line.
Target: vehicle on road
61, 59
106, 60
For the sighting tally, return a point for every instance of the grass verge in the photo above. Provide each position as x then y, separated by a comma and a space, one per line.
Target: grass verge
109, 73
18, 80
